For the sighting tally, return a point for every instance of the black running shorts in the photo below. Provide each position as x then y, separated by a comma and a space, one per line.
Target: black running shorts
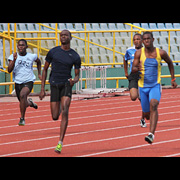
18, 88
60, 90
133, 80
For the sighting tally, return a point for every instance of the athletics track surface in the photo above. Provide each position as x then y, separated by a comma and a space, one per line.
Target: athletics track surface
97, 128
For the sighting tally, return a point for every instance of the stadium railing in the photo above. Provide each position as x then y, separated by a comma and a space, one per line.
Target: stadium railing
36, 41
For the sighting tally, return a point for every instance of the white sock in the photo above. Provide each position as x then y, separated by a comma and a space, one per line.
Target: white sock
60, 142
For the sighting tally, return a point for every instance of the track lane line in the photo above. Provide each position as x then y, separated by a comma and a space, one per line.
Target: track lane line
99, 140
44, 129
123, 112
130, 102
129, 148
84, 132
172, 155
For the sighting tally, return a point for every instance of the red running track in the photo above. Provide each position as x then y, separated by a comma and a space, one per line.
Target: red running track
99, 127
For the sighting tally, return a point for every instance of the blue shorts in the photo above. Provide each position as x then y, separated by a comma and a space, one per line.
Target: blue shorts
146, 94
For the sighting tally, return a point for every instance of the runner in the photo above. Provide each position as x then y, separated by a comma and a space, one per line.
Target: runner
148, 61
22, 66
62, 58
133, 77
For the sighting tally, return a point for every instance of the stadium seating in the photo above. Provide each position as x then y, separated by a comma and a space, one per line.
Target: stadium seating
98, 54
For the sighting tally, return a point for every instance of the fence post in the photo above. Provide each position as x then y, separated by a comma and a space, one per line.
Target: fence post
169, 43
56, 34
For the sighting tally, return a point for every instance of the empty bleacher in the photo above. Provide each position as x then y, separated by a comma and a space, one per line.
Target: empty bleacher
98, 54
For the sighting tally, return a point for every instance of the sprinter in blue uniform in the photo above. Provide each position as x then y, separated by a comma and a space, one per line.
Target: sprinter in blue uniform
133, 77
147, 60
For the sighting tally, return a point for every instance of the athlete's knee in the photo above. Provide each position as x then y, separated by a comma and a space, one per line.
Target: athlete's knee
154, 104
22, 96
133, 98
134, 94
65, 111
65, 104
55, 117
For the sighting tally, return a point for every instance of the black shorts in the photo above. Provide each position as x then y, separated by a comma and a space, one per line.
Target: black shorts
133, 80
18, 88
60, 90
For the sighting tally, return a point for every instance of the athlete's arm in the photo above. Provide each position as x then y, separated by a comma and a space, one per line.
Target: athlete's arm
125, 67
38, 62
76, 78
44, 76
136, 63
12, 63
168, 60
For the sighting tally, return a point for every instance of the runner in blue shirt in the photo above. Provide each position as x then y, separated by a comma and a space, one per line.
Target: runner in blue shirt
22, 66
133, 77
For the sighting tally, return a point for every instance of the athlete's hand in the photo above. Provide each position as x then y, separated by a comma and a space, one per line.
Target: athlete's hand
42, 95
126, 74
40, 77
15, 56
174, 84
72, 82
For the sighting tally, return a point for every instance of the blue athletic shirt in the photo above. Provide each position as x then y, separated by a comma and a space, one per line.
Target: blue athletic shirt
23, 69
151, 70
130, 56
62, 62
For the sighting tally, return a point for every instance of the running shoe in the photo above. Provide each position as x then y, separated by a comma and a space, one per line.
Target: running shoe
58, 148
34, 105
149, 138
21, 122
143, 123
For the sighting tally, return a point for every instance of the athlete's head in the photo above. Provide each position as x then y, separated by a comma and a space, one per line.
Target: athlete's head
65, 37
22, 46
137, 40
148, 39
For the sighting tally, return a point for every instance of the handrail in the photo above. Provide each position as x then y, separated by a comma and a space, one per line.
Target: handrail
86, 39
84, 79
9, 35
2, 70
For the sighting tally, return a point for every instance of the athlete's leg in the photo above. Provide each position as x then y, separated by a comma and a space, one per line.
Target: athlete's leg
153, 115
65, 94
22, 91
134, 94
24, 103
55, 110
154, 98
146, 115
55, 102
133, 86
65, 104
144, 94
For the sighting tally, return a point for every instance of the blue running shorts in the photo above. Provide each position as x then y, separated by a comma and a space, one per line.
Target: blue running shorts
146, 94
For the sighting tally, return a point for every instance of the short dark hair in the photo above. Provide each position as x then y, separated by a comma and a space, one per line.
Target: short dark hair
23, 41
138, 34
148, 32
